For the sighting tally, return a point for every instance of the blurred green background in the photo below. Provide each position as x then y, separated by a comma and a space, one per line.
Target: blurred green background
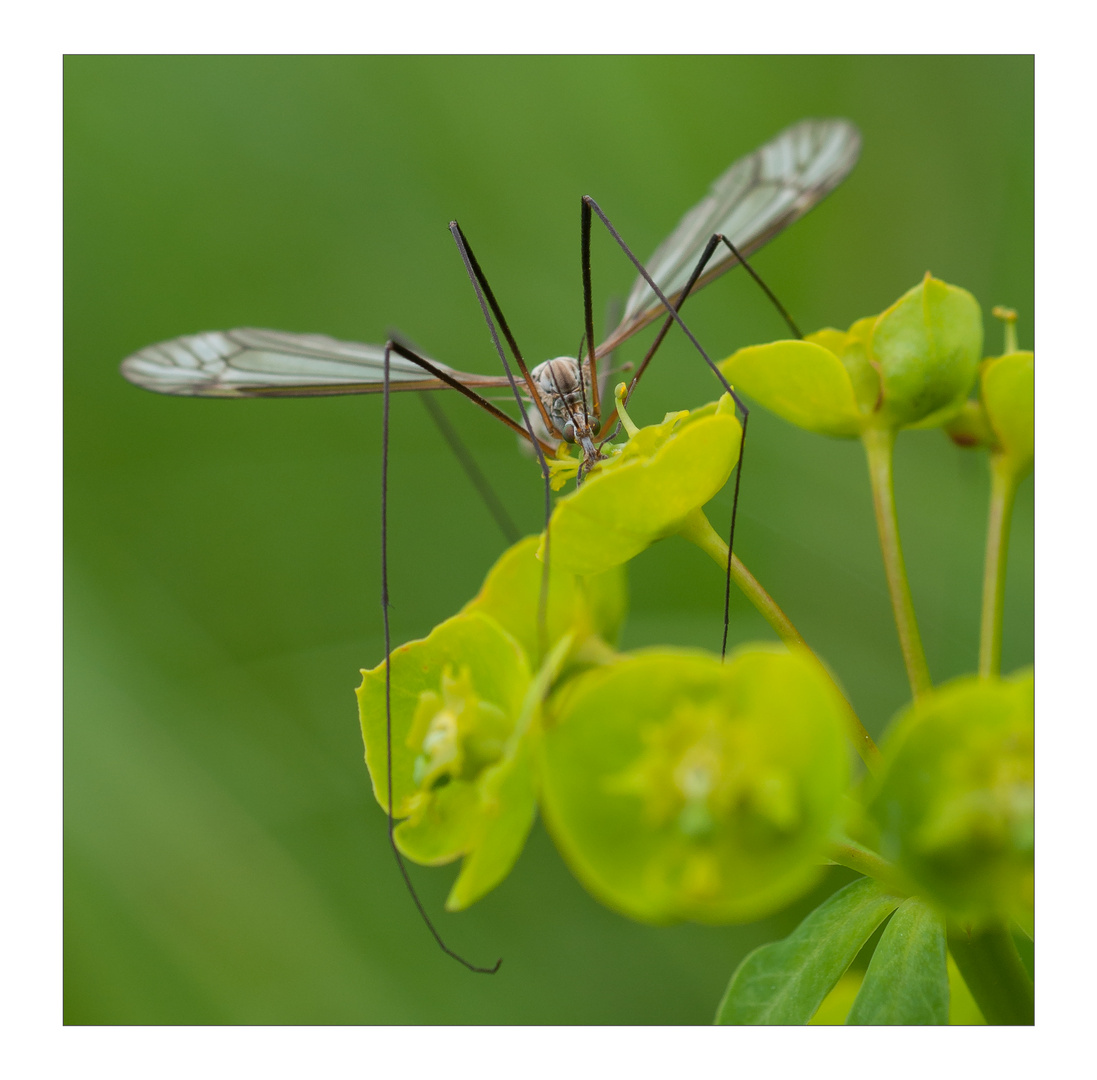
225, 861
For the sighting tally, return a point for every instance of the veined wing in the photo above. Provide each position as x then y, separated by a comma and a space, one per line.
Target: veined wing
751, 203
271, 363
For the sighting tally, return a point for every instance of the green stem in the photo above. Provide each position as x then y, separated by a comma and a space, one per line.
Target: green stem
994, 973
846, 852
698, 530
1009, 319
879, 444
1003, 489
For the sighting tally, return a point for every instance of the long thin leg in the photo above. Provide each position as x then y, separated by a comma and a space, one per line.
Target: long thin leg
389, 348
702, 262
483, 289
762, 285
464, 456
525, 431
473, 471
653, 348
716, 239
673, 314
483, 293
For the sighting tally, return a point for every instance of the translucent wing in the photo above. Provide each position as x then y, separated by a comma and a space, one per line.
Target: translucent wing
751, 203
270, 363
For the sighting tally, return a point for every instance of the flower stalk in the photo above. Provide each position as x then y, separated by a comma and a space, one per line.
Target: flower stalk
1003, 490
879, 443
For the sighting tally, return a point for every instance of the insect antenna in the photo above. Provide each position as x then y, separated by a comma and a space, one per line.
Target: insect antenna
674, 316
389, 348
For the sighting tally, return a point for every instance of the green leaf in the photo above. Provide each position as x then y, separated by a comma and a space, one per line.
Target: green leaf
962, 1008
907, 977
839, 1001
511, 594
786, 982
927, 347
954, 803
803, 382
1022, 941
664, 473
1008, 392
680, 787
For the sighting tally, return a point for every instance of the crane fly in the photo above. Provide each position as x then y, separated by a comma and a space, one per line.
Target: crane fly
749, 204
755, 199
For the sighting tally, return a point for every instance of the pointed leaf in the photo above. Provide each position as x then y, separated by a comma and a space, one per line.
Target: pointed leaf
962, 1009
907, 977
839, 1001
786, 982
994, 972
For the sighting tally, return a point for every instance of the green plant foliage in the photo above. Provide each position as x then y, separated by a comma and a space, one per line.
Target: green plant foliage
1008, 394
663, 473
970, 426
219, 558
962, 1008
461, 770
1002, 417
803, 382
954, 804
839, 1001
786, 982
927, 346
907, 977
910, 366
678, 787
511, 594
992, 968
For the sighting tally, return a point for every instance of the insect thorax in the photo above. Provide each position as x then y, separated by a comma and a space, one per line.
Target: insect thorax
567, 403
